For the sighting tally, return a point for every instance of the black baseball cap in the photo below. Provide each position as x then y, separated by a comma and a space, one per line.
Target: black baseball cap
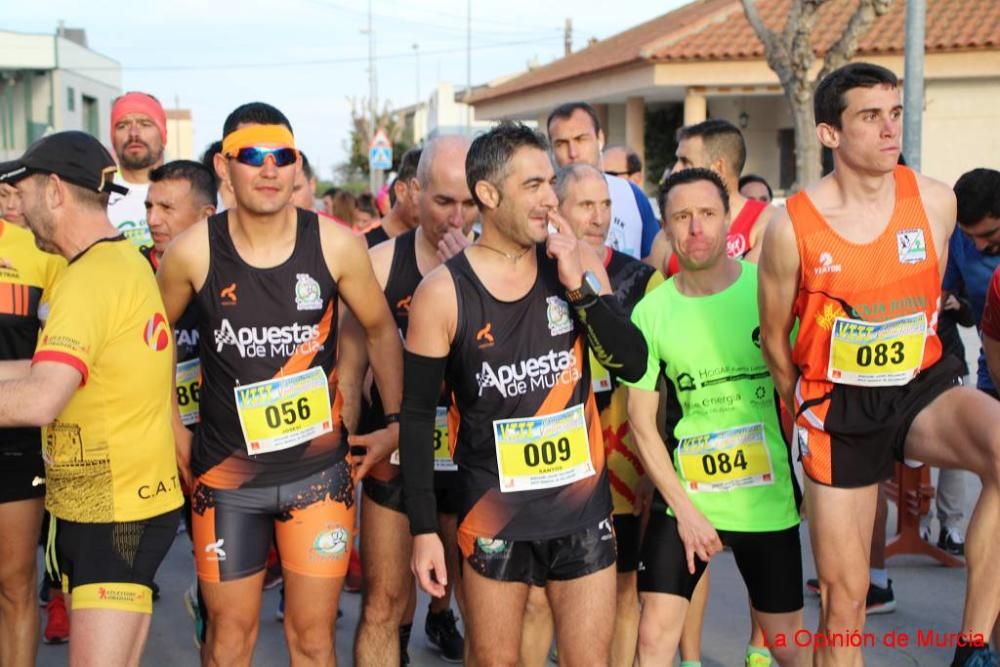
74, 156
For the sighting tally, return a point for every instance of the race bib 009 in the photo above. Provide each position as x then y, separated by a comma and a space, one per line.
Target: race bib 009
543, 452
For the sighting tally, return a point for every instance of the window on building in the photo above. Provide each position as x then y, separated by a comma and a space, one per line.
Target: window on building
90, 115
70, 98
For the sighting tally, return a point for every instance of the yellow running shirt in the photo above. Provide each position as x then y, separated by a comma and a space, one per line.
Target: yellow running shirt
110, 455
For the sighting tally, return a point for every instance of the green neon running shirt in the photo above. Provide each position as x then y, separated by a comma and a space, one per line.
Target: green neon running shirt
731, 457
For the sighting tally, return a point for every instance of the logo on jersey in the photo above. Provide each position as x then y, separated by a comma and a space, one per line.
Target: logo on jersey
308, 295
911, 246
826, 265
187, 337
215, 550
157, 333
268, 341
228, 295
755, 337
557, 313
485, 336
685, 382
403, 306
543, 372
331, 543
736, 246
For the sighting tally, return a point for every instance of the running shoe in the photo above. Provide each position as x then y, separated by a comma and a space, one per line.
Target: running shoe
352, 584
442, 632
982, 657
925, 533
758, 660
879, 600
56, 621
272, 573
951, 541
194, 611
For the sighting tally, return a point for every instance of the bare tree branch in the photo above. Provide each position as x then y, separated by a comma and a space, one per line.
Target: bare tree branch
775, 51
859, 23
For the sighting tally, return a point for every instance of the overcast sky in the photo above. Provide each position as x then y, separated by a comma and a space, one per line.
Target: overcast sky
307, 57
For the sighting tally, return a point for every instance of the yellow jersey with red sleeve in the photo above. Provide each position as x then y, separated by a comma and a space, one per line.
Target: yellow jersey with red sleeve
26, 276
109, 456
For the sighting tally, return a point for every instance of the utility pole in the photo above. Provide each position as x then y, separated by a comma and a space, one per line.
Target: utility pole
468, 65
416, 52
568, 37
374, 175
913, 82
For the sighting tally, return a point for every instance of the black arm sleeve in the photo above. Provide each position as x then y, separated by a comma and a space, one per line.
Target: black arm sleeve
422, 378
617, 343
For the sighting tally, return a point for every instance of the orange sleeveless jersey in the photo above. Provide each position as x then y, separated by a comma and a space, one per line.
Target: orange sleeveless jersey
873, 282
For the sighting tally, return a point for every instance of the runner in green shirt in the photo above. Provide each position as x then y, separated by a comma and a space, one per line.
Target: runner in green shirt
730, 480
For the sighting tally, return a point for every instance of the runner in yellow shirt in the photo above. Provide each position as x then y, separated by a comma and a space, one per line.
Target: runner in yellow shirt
100, 385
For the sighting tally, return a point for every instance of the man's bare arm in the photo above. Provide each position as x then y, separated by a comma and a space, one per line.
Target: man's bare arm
778, 283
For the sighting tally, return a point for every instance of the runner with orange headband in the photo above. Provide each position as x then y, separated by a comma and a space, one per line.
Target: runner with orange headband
269, 460
138, 135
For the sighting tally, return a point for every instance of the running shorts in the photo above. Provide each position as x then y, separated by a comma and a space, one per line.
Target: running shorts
852, 436
111, 565
770, 563
311, 519
22, 475
536, 562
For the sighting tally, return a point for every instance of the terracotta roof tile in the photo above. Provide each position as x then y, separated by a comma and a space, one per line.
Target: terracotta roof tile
718, 30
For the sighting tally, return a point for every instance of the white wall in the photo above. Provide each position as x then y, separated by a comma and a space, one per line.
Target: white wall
961, 127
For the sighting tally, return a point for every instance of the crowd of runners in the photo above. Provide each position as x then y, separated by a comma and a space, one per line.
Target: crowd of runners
513, 385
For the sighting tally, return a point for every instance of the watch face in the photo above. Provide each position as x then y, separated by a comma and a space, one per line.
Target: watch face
591, 283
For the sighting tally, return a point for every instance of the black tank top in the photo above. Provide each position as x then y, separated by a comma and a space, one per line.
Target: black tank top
520, 359
404, 276
256, 324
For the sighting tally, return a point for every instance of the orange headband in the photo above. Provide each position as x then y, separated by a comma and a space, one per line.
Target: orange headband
257, 135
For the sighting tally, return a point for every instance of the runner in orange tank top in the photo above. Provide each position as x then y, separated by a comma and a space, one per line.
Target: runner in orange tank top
857, 259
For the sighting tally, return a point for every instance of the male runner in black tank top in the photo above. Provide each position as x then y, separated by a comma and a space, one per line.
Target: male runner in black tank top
585, 203
269, 457
534, 505
444, 204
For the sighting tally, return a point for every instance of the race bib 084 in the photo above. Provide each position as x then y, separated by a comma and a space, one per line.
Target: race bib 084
723, 460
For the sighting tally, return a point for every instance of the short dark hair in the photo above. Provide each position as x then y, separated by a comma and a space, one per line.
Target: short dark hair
491, 152
208, 160
200, 178
754, 178
306, 167
978, 194
256, 113
564, 111
685, 176
330, 192
406, 172
366, 202
721, 139
830, 98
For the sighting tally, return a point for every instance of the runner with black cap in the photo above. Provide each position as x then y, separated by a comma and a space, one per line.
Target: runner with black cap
99, 383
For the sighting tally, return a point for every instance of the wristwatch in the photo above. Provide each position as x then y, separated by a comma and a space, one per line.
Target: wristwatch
587, 292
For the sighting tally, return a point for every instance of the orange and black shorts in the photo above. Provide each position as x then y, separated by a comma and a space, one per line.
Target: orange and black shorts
852, 436
311, 519
111, 565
